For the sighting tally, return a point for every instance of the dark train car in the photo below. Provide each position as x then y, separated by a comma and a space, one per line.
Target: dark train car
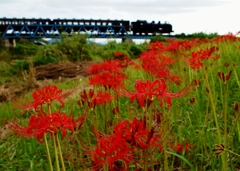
3, 24
143, 27
165, 28
140, 26
99, 26
23, 26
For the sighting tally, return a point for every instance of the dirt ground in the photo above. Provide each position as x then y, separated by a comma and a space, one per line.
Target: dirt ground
42, 75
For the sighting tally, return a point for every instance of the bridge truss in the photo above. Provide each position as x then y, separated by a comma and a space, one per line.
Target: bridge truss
53, 31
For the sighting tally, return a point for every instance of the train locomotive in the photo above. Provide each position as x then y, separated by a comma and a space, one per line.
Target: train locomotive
122, 27
143, 27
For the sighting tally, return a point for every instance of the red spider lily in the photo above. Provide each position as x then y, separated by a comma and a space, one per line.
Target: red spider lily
111, 66
93, 99
41, 124
219, 149
124, 62
118, 54
181, 147
45, 95
136, 134
147, 91
224, 38
108, 80
235, 106
197, 83
197, 59
112, 152
192, 100
157, 46
224, 77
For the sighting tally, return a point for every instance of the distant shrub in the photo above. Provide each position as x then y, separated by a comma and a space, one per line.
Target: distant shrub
48, 54
18, 66
23, 50
74, 48
199, 35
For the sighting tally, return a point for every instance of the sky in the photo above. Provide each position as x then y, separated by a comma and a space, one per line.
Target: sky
186, 16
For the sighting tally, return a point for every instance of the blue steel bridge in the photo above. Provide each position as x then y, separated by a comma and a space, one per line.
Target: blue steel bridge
12, 28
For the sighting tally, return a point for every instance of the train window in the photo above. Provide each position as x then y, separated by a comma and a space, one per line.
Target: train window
1, 22
104, 23
86, 23
81, 23
69, 23
121, 24
93, 23
98, 23
75, 23
109, 24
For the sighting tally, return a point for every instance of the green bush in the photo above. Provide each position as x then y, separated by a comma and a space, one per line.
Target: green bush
199, 35
74, 48
48, 54
18, 66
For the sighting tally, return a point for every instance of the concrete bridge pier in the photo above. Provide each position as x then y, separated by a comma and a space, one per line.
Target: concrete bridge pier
8, 43
127, 40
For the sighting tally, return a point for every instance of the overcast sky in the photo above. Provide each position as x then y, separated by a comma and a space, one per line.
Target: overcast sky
186, 16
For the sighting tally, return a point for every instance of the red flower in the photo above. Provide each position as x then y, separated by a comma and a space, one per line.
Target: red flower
45, 95
224, 77
108, 80
197, 59
136, 134
112, 153
111, 66
147, 91
53, 123
93, 99
181, 147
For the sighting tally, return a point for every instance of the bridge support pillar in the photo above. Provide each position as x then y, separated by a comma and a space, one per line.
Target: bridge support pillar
8, 43
127, 40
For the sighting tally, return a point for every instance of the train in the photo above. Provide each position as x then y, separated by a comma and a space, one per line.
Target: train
139, 27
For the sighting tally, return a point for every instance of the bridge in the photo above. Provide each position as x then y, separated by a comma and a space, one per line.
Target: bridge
14, 28
32, 28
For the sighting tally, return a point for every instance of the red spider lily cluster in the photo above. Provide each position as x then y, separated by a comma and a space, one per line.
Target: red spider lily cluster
46, 122
109, 74
197, 59
157, 64
118, 151
45, 96
41, 124
147, 91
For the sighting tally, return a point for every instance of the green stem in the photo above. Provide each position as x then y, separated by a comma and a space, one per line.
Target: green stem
224, 164
235, 73
232, 152
225, 113
237, 114
55, 152
165, 157
225, 119
48, 153
60, 154
213, 106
